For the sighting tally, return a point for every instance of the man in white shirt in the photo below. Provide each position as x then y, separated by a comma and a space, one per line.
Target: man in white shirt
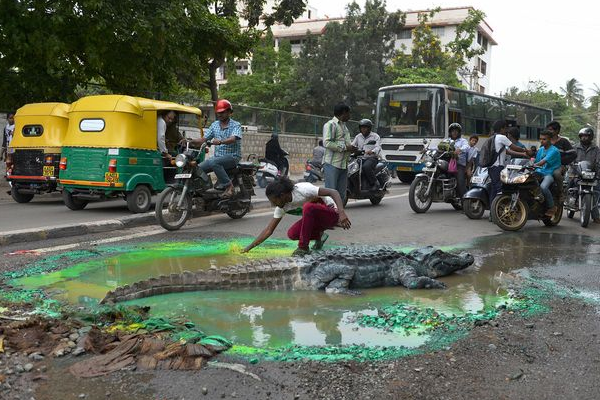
363, 141
7, 134
165, 118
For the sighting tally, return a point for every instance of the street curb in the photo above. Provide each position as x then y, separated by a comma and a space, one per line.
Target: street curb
61, 231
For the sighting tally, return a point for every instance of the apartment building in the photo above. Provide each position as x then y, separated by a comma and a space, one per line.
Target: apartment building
475, 75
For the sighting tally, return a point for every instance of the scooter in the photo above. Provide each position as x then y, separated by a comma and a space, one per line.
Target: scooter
268, 171
358, 188
477, 200
193, 187
312, 172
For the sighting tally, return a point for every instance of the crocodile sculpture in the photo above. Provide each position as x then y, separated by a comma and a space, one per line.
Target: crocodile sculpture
335, 271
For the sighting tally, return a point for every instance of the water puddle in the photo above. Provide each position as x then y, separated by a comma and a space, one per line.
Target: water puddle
269, 319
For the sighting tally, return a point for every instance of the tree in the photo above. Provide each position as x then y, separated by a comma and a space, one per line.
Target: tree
573, 93
431, 62
347, 62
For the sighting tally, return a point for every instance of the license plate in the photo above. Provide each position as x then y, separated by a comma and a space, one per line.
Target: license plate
477, 179
514, 167
183, 176
111, 177
428, 169
48, 170
404, 169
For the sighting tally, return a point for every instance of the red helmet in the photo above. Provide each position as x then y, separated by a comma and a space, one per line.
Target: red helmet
223, 105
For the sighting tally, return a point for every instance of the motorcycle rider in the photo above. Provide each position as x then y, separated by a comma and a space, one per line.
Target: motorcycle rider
318, 153
274, 153
372, 151
461, 149
547, 161
587, 151
567, 152
227, 135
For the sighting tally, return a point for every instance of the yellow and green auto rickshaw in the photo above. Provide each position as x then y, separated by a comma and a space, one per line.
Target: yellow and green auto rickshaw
110, 150
34, 154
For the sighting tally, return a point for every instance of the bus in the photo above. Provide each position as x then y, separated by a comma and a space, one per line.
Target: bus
409, 116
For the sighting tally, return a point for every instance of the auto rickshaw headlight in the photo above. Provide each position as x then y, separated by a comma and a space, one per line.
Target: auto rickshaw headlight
180, 160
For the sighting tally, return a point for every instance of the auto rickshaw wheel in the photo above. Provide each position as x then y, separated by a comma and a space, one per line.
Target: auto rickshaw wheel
20, 197
139, 200
72, 202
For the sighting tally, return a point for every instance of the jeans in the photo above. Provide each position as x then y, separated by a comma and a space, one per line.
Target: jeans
596, 203
461, 180
494, 173
545, 186
336, 178
316, 217
368, 165
219, 165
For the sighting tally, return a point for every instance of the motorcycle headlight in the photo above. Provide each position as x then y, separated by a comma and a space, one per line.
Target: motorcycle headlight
504, 176
588, 174
352, 168
429, 164
519, 179
180, 160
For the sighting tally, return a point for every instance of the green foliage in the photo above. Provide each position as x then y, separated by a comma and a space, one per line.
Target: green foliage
571, 117
431, 62
50, 50
573, 93
347, 63
273, 74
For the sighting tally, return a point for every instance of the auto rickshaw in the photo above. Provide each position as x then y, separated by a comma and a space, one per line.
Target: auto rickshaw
34, 154
110, 151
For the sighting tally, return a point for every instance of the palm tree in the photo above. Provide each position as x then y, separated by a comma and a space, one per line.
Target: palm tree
595, 97
573, 93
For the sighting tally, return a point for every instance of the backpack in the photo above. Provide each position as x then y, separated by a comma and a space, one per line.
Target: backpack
488, 154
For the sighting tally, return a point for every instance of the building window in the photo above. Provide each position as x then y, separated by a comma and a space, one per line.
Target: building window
482, 66
482, 40
405, 34
480, 89
438, 30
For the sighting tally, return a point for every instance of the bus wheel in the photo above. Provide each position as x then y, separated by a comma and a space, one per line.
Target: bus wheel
406, 177
139, 200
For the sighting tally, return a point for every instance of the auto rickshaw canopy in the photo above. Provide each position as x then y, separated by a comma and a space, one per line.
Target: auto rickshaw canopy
40, 125
118, 121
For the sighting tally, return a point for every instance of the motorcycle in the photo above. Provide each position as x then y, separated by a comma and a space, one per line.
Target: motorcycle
358, 187
522, 199
477, 200
434, 183
580, 196
268, 171
193, 187
312, 172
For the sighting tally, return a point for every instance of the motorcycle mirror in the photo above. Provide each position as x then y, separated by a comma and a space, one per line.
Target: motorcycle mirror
424, 141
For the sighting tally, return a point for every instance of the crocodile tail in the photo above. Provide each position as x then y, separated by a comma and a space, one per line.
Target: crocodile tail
281, 275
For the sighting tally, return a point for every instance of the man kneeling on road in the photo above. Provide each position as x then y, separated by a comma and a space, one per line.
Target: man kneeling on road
227, 135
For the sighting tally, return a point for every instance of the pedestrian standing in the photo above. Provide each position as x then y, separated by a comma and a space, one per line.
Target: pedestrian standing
7, 134
338, 146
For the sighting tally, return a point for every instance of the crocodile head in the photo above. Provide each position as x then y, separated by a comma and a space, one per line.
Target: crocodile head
435, 262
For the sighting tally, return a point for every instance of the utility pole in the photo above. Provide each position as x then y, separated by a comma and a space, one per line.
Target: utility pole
598, 125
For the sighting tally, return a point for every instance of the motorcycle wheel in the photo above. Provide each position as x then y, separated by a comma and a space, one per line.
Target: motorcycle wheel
168, 215
570, 214
262, 182
418, 187
504, 217
586, 210
555, 219
375, 200
474, 208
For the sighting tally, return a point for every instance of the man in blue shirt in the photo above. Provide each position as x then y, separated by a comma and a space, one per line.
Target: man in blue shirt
227, 135
546, 161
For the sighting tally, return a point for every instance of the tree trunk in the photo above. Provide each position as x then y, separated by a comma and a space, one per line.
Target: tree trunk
212, 79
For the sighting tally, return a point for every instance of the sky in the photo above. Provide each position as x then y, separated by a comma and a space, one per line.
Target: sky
550, 41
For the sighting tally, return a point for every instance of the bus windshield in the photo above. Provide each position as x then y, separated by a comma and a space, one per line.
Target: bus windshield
410, 113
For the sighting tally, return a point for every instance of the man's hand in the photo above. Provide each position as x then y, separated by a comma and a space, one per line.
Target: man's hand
350, 148
343, 221
369, 152
216, 142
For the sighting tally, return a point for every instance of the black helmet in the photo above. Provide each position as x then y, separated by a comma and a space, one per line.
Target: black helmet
365, 122
455, 125
586, 131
